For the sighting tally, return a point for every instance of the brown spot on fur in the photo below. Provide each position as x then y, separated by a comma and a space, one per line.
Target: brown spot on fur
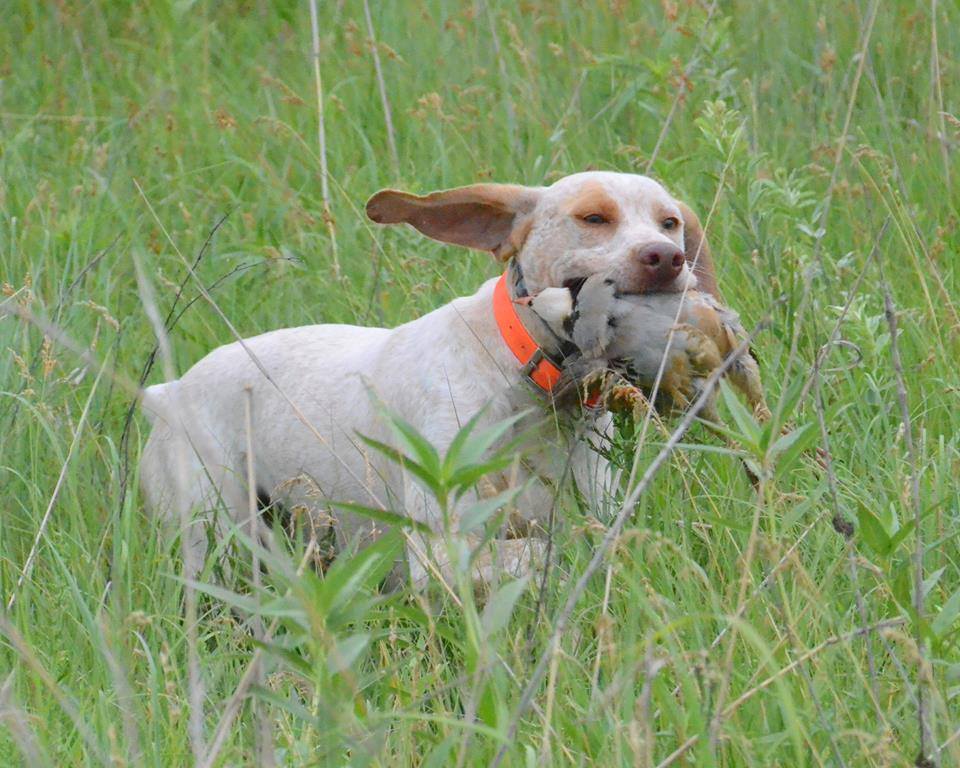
664, 212
593, 199
697, 250
516, 239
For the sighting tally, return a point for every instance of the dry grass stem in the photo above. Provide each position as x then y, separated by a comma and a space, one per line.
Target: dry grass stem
927, 737
42, 528
322, 136
382, 87
190, 566
861, 59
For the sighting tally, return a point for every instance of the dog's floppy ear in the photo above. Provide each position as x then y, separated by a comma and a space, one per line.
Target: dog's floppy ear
697, 252
488, 217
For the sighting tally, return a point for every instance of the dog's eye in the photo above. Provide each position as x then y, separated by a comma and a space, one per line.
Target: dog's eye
595, 218
671, 222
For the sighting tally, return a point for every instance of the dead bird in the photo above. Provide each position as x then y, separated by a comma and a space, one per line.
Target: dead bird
630, 334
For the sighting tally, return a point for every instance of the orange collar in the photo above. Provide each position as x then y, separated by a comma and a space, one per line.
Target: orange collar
540, 369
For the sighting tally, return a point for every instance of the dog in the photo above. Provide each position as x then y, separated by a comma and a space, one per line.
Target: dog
308, 393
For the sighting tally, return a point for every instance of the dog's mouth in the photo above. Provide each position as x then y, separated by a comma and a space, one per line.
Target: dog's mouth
574, 285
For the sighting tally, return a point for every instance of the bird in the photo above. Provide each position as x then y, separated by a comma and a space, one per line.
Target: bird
690, 334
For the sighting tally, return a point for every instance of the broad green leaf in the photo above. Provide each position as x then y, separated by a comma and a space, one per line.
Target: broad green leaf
284, 607
931, 581
945, 621
464, 479
897, 539
788, 448
245, 603
473, 448
888, 518
497, 611
733, 435
286, 703
789, 398
749, 427
346, 651
872, 532
291, 656
415, 446
431, 480
801, 508
382, 516
480, 512
349, 575
725, 450
452, 457
902, 586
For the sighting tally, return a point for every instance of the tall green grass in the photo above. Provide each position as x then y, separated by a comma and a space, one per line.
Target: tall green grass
211, 109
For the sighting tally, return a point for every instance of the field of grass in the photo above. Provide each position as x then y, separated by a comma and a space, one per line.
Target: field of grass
728, 627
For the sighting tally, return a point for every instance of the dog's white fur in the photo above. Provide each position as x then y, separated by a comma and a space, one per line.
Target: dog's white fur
310, 387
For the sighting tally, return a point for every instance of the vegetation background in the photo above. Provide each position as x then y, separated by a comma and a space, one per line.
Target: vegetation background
728, 627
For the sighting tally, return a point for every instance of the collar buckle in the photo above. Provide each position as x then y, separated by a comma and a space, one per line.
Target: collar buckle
544, 378
531, 365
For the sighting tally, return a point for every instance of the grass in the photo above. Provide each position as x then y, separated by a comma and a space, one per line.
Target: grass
210, 109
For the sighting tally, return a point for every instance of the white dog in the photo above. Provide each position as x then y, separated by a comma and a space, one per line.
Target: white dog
309, 388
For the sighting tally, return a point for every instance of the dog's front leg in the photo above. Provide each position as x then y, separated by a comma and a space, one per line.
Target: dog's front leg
438, 555
592, 473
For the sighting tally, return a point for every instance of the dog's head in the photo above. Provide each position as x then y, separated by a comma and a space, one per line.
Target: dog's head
621, 224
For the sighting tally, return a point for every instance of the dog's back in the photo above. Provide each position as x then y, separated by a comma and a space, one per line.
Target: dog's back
307, 381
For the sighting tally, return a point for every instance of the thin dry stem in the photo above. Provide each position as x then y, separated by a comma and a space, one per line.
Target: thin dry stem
263, 735
927, 741
681, 90
42, 528
195, 688
322, 135
937, 86
508, 109
126, 699
861, 58
382, 87
734, 705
